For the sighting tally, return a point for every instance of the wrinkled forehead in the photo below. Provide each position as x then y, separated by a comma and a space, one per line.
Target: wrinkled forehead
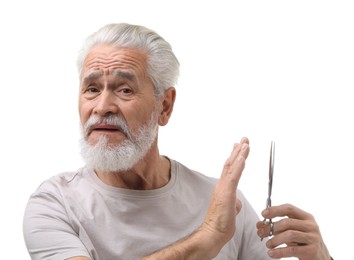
93, 76
105, 58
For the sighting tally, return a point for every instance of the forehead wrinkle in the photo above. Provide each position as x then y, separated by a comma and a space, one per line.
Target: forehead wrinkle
124, 63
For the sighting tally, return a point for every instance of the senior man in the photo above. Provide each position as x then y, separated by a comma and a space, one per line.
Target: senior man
130, 202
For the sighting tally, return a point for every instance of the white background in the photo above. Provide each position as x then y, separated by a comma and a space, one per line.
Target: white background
269, 70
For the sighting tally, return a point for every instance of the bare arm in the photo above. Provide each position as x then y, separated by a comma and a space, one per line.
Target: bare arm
194, 247
219, 224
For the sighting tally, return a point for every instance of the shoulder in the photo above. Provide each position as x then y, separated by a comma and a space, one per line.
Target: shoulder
198, 180
65, 180
192, 185
186, 173
54, 196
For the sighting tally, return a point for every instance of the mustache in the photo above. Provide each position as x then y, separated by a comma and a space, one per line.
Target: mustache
113, 120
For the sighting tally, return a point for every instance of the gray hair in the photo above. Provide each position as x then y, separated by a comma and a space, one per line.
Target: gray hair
163, 66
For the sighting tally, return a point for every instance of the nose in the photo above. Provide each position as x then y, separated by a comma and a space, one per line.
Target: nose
106, 104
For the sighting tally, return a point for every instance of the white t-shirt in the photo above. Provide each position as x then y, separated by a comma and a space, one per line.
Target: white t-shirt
76, 214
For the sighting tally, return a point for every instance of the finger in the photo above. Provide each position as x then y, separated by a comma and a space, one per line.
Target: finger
284, 225
243, 144
291, 237
238, 206
295, 224
238, 148
260, 225
264, 229
291, 251
245, 140
232, 170
286, 210
234, 166
230, 161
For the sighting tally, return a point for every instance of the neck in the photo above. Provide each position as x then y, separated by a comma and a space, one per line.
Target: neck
152, 172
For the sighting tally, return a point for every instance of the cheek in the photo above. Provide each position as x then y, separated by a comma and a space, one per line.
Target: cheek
136, 119
84, 112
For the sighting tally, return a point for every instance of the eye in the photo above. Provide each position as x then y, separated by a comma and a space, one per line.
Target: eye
92, 89
126, 91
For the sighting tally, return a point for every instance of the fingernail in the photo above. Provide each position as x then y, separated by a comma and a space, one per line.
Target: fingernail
268, 244
265, 213
271, 253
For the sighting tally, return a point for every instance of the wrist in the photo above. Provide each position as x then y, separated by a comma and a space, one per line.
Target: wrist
207, 242
201, 244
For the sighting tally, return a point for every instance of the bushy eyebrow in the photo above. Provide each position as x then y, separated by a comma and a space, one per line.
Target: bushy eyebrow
117, 73
124, 74
92, 76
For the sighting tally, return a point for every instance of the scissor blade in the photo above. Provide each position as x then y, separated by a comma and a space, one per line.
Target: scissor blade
271, 168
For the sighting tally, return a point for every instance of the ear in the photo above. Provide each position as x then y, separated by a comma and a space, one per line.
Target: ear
168, 101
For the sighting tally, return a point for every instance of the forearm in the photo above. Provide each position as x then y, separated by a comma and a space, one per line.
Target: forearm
198, 245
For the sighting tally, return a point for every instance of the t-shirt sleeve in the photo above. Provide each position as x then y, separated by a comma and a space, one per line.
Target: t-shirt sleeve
47, 230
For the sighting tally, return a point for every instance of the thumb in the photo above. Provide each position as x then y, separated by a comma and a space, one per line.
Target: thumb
238, 206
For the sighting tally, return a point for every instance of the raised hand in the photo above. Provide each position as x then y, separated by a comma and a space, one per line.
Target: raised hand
224, 205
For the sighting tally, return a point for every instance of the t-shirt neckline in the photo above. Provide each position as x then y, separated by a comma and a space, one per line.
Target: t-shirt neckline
143, 194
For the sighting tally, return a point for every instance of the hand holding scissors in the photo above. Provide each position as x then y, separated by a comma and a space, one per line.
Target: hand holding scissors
297, 229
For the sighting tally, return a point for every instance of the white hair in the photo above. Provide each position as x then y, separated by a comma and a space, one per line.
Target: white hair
163, 66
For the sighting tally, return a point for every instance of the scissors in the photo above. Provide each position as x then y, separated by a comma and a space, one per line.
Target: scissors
270, 185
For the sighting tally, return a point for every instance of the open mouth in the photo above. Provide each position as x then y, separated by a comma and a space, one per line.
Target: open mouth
104, 128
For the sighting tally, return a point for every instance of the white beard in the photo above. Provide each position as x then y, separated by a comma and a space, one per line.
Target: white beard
105, 158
